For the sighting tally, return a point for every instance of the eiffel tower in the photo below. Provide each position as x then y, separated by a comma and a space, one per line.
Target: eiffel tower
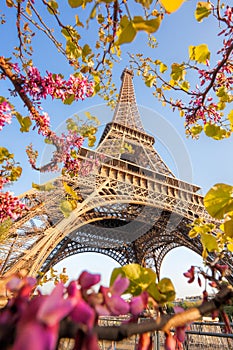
130, 206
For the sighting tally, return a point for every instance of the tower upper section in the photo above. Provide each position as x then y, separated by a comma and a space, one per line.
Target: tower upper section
126, 112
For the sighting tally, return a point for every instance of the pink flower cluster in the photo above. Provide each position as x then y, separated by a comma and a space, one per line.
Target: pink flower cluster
5, 113
37, 319
89, 165
10, 206
3, 181
55, 86
67, 146
202, 105
42, 123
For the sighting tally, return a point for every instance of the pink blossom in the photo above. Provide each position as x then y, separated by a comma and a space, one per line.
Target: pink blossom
3, 181
170, 342
10, 206
81, 312
113, 304
87, 280
54, 307
190, 274
43, 123
5, 113
21, 286
39, 322
223, 269
145, 342
138, 303
56, 86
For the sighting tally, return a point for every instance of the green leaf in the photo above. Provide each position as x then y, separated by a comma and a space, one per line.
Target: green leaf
5, 154
65, 33
223, 94
53, 7
149, 26
230, 247
196, 129
166, 288
185, 85
75, 3
94, 119
69, 100
145, 3
228, 225
15, 173
203, 10
162, 67
162, 292
199, 53
25, 122
66, 208
46, 187
140, 277
86, 50
149, 80
209, 242
70, 191
215, 131
177, 71
230, 117
219, 200
200, 227
4, 230
128, 31
91, 140
72, 50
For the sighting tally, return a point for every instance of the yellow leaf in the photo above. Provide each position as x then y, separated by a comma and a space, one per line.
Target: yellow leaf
204, 254
70, 191
215, 131
209, 242
230, 247
171, 5
230, 117
228, 225
219, 200
177, 72
10, 3
149, 26
162, 67
127, 33
46, 187
199, 53
196, 129
203, 10
28, 10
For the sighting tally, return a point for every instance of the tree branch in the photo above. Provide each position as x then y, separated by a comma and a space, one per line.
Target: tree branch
164, 323
16, 81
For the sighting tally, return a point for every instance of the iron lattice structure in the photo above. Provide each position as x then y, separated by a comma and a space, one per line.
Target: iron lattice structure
130, 206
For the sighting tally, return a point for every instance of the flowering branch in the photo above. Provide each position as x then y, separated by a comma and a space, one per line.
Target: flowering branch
202, 107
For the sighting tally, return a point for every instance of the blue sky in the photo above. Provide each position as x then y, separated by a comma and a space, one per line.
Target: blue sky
206, 161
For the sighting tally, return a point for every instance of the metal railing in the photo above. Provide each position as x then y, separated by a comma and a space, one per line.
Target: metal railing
199, 335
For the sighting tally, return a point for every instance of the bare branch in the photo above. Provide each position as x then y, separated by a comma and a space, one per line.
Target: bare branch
164, 323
